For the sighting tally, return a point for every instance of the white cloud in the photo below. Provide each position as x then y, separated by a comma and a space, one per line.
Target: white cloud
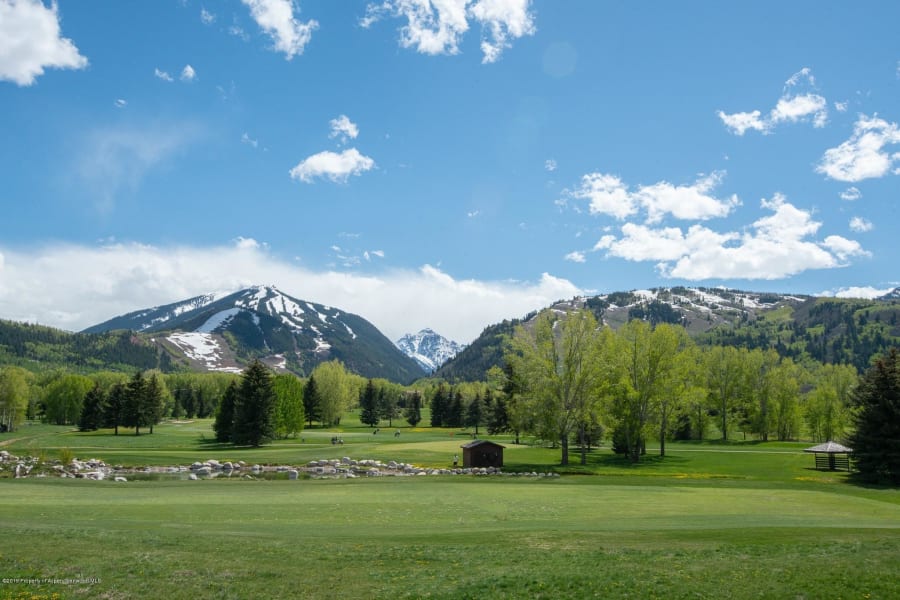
207, 17
609, 195
690, 202
343, 129
115, 160
867, 292
550, 165
576, 257
369, 254
120, 103
473, 213
841, 106
740, 122
863, 156
861, 225
851, 193
162, 75
246, 139
30, 41
776, 246
792, 107
501, 21
74, 287
437, 26
188, 73
337, 167
276, 18
238, 31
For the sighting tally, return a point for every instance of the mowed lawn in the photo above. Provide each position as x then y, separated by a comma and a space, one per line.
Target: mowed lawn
707, 521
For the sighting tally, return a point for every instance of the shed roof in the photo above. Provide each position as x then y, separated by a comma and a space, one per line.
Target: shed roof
476, 443
830, 447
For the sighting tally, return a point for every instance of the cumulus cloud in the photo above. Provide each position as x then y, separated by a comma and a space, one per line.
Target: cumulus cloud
159, 74
865, 154
609, 195
343, 128
851, 193
30, 41
866, 292
337, 167
120, 103
861, 225
207, 17
437, 26
576, 257
246, 139
550, 165
775, 246
74, 287
276, 18
798, 103
188, 73
115, 160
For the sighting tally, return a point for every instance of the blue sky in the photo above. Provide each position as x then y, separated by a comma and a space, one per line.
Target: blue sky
442, 164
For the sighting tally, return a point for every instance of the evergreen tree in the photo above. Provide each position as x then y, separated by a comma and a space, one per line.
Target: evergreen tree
135, 412
387, 405
475, 413
92, 410
876, 442
498, 417
116, 409
454, 415
225, 416
413, 412
438, 407
311, 401
254, 414
154, 401
368, 405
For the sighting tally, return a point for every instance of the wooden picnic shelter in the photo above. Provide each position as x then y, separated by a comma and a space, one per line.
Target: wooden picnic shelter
831, 456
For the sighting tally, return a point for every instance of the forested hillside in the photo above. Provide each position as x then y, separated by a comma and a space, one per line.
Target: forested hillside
40, 348
827, 330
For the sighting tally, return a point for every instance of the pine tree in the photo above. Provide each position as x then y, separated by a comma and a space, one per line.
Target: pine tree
368, 404
498, 418
454, 414
475, 413
413, 412
116, 409
438, 407
876, 442
311, 401
153, 402
135, 409
92, 410
254, 415
225, 416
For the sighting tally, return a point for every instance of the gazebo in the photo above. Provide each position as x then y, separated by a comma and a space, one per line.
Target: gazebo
827, 456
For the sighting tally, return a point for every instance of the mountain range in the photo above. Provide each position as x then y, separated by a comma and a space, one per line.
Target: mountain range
224, 331
429, 349
217, 332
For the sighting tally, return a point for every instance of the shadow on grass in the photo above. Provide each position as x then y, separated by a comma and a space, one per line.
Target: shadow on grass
604, 461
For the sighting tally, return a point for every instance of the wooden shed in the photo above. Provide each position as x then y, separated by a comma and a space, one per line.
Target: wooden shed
827, 456
482, 453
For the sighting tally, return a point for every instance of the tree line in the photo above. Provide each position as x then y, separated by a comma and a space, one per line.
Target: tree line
566, 376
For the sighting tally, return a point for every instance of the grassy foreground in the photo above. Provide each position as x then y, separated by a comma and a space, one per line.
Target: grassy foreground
737, 521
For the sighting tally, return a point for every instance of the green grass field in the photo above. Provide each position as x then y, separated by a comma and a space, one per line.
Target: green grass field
708, 521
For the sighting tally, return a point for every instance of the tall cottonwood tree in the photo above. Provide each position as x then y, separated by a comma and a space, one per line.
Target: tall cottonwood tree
725, 381
560, 366
647, 360
335, 390
289, 405
14, 391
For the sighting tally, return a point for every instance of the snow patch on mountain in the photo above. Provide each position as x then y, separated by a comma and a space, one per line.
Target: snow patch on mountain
429, 349
203, 348
217, 320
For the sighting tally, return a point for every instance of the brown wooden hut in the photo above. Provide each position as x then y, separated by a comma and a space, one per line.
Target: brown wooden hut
482, 453
831, 456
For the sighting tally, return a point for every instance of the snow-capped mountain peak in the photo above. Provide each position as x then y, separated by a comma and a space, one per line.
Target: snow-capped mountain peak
428, 348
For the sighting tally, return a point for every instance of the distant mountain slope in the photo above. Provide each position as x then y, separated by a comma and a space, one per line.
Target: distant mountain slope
802, 327
223, 332
428, 348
